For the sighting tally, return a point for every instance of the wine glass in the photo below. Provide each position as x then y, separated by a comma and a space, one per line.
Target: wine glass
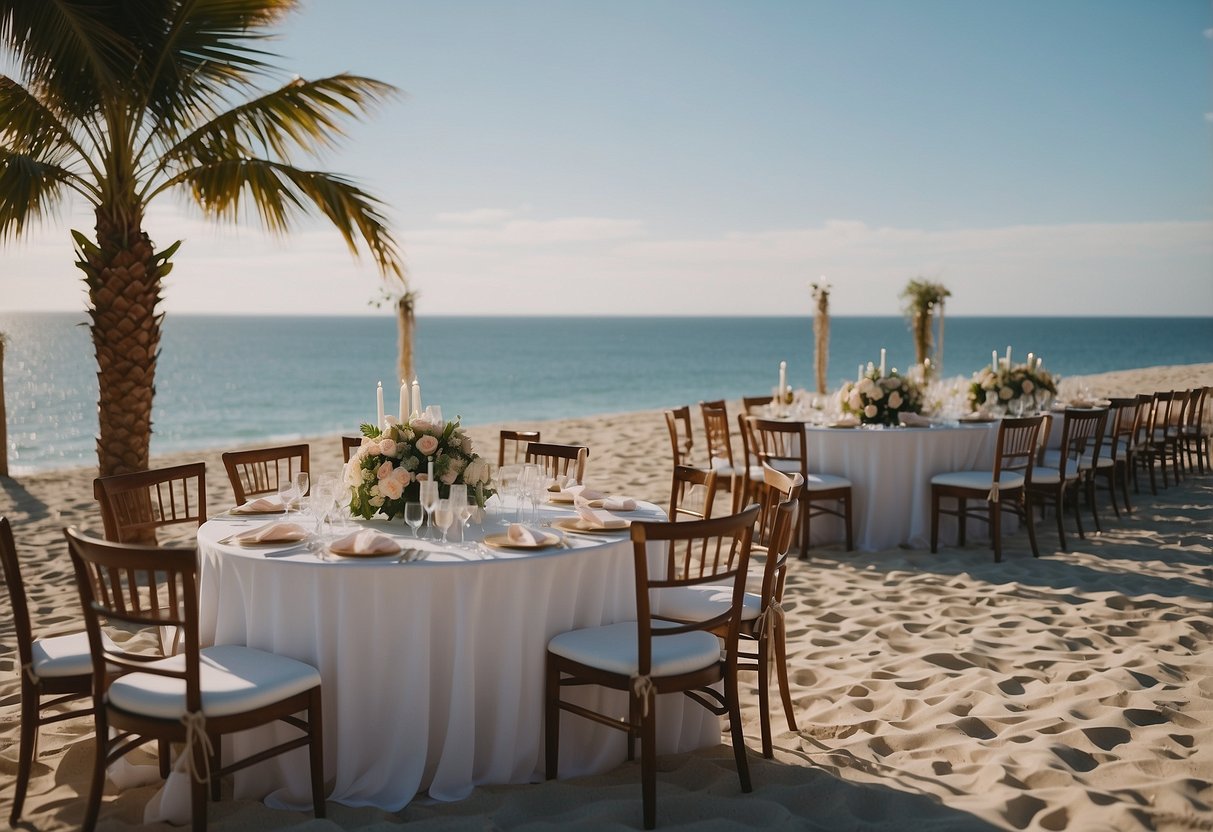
466, 510
507, 481
414, 513
444, 515
429, 499
302, 482
287, 493
538, 488
530, 472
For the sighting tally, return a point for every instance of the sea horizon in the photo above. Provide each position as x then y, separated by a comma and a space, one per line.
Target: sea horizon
240, 379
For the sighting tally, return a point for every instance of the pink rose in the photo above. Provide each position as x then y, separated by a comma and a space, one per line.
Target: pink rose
426, 445
401, 476
384, 470
391, 488
449, 477
870, 411
387, 447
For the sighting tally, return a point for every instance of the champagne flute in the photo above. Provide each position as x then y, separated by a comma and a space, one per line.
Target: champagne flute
414, 513
429, 498
444, 515
302, 482
287, 494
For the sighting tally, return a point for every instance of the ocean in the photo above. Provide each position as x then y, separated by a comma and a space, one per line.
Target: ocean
227, 380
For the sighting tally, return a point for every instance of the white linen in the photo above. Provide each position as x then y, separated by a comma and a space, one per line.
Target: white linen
432, 670
890, 472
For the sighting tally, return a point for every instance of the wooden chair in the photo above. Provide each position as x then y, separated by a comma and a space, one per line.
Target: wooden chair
1001, 489
143, 698
1116, 453
349, 445
515, 441
1195, 431
261, 471
678, 422
1069, 468
59, 666
559, 460
753, 405
734, 478
134, 506
692, 494
1162, 437
647, 658
784, 447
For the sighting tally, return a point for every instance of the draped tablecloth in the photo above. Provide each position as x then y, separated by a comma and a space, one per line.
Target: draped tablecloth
432, 670
890, 470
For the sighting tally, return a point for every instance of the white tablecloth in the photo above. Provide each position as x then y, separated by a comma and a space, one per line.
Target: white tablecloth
432, 670
890, 470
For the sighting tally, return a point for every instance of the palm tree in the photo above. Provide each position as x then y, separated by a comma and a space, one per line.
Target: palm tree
921, 297
821, 332
406, 305
122, 101
3, 415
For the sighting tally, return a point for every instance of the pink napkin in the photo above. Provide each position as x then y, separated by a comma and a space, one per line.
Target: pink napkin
365, 542
594, 519
611, 503
913, 420
846, 422
584, 492
524, 535
272, 533
261, 504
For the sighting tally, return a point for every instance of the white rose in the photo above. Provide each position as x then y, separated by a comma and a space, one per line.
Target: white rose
426, 445
865, 386
855, 401
387, 447
1028, 386
894, 400
877, 393
892, 383
351, 474
1006, 394
870, 411
449, 477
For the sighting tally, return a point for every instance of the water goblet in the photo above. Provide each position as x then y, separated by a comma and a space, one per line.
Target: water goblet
444, 515
413, 515
507, 477
287, 493
530, 473
466, 511
538, 488
429, 499
302, 482
458, 495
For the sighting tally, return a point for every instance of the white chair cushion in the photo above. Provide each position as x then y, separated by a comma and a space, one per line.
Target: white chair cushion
233, 679
1052, 459
786, 466
59, 656
1043, 475
699, 603
723, 469
613, 648
825, 482
977, 480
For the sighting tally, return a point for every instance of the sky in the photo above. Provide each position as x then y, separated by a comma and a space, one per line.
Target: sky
713, 157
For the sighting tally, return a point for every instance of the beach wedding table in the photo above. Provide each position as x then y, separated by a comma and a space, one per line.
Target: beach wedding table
890, 470
433, 670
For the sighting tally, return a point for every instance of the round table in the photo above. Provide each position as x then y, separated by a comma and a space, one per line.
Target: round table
890, 470
432, 669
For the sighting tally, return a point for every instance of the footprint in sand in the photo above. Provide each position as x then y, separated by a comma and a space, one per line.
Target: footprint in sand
1022, 809
1107, 737
1075, 758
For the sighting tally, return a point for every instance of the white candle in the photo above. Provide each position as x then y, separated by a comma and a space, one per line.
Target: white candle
416, 409
1008, 356
379, 405
1040, 362
870, 368
430, 469
1031, 361
882, 353
926, 364
404, 401
783, 378
859, 375
993, 359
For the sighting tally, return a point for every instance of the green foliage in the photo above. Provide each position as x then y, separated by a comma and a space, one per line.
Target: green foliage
369, 430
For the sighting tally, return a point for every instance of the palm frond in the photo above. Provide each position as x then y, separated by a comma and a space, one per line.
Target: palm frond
28, 126
300, 115
67, 49
281, 193
30, 189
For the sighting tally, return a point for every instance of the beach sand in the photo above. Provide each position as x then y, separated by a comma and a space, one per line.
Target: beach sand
932, 692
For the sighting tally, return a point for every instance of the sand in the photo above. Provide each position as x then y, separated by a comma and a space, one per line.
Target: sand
932, 692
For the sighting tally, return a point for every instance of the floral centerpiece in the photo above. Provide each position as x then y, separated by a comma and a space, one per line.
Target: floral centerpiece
387, 469
880, 400
1019, 389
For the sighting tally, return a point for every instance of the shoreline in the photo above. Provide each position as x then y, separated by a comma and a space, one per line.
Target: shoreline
1069, 692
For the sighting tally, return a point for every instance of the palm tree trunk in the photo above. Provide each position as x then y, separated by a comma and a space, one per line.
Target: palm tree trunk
938, 362
124, 288
922, 333
821, 337
3, 416
404, 336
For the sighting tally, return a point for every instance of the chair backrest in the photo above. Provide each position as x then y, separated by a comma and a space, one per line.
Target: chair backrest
349, 445
716, 434
128, 585
678, 422
1166, 409
262, 470
1196, 408
749, 455
776, 488
692, 493
1145, 420
724, 546
134, 505
1081, 435
515, 442
16, 594
753, 404
1121, 426
782, 445
559, 460
1017, 445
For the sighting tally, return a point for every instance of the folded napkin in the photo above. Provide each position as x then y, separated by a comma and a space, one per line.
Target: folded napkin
365, 542
914, 420
262, 504
584, 492
524, 535
594, 519
846, 421
611, 503
557, 484
272, 533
